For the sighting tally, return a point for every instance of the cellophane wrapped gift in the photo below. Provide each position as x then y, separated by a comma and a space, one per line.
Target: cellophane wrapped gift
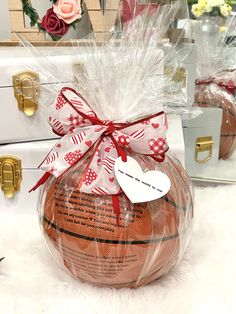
115, 207
216, 83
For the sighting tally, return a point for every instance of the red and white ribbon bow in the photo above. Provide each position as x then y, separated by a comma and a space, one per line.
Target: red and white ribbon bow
72, 118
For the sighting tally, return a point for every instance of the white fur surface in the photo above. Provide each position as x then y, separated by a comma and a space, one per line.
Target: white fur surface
203, 283
225, 169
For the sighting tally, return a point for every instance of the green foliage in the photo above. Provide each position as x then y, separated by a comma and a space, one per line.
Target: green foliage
74, 24
30, 12
215, 12
191, 2
55, 38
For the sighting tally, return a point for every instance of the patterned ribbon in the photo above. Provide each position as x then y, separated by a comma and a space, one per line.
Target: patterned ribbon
80, 129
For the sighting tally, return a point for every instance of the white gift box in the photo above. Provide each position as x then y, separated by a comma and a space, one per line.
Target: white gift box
202, 140
23, 159
28, 84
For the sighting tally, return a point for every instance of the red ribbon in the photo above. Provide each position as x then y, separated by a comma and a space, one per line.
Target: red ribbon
230, 86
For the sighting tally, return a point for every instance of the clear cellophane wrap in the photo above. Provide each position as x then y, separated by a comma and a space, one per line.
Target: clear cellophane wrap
114, 108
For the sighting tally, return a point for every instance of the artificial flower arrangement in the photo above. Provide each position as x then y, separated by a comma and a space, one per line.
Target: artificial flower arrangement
56, 22
211, 8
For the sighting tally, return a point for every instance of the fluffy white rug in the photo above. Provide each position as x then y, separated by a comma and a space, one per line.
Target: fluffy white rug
204, 283
225, 169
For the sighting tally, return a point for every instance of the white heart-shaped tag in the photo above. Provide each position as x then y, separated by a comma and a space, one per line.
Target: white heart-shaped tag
140, 186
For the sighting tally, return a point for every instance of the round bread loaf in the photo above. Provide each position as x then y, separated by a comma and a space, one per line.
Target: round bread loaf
82, 233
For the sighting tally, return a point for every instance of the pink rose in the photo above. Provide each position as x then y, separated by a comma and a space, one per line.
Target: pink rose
68, 10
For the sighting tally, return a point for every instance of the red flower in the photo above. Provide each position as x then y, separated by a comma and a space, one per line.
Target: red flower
53, 25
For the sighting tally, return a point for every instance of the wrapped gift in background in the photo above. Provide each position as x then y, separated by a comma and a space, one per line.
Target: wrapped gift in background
216, 86
180, 49
216, 94
179, 28
95, 226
